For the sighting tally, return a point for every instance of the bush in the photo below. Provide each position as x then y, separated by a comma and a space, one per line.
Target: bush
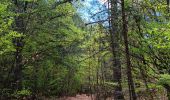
164, 79
25, 93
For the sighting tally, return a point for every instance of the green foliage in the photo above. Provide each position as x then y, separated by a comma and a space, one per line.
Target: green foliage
6, 33
164, 79
22, 93
154, 86
60, 54
50, 41
6, 92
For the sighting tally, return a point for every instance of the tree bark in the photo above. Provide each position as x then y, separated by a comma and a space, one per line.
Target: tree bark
19, 26
132, 93
114, 34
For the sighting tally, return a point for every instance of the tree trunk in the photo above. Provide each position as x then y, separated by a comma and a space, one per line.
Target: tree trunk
114, 34
19, 26
132, 93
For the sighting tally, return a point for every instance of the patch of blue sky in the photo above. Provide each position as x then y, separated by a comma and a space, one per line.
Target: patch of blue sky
90, 10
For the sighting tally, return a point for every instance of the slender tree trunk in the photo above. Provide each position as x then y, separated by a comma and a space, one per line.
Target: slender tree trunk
128, 62
168, 5
18, 70
97, 79
132, 93
19, 26
114, 34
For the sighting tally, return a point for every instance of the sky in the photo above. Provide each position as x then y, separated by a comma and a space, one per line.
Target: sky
102, 1
90, 8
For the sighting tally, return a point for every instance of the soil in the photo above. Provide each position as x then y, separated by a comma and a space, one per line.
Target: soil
78, 97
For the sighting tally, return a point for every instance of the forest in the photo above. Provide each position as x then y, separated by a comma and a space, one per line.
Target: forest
84, 49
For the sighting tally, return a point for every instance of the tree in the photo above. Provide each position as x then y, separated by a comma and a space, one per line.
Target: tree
132, 93
115, 36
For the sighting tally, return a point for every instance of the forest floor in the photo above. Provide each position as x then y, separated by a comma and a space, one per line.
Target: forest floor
78, 97
92, 97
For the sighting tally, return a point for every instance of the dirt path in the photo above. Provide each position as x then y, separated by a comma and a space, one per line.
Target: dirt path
78, 97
